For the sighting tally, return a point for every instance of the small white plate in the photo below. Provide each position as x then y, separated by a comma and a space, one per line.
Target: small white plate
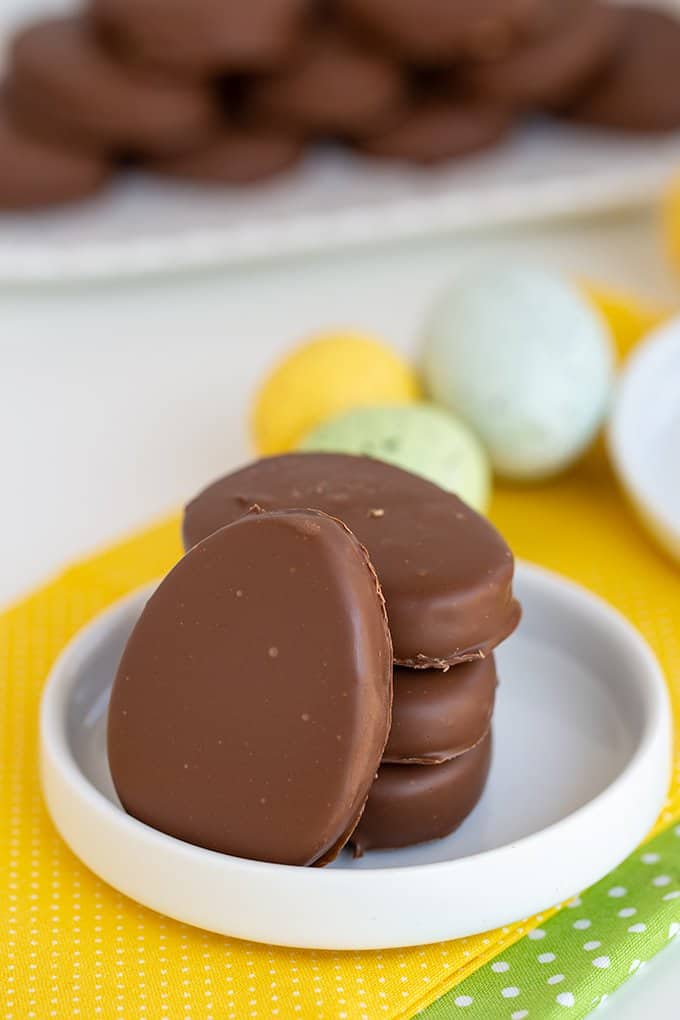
644, 434
580, 770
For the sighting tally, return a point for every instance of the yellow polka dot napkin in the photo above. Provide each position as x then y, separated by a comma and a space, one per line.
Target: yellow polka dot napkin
70, 946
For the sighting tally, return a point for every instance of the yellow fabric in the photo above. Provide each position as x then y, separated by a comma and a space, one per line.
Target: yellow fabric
629, 319
670, 221
72, 947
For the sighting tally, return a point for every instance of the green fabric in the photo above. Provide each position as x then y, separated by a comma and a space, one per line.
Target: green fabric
570, 965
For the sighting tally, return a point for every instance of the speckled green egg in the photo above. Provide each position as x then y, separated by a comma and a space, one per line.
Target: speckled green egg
420, 438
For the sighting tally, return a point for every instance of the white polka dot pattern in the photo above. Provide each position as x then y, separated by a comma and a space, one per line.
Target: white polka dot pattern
572, 976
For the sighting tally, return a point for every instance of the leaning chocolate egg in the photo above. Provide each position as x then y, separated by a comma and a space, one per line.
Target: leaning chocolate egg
522, 357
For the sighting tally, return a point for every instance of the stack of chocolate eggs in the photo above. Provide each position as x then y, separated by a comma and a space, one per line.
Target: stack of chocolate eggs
232, 92
318, 669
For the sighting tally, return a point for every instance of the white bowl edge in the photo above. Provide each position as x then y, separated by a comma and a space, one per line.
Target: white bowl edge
370, 909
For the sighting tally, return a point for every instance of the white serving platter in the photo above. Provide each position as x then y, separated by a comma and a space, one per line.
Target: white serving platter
580, 770
144, 225
334, 200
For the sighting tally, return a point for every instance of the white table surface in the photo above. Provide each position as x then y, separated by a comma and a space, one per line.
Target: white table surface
118, 400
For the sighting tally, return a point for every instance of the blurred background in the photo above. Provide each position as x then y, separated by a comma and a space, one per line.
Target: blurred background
137, 325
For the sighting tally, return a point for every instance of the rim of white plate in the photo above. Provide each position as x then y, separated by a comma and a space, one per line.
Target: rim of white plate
71, 797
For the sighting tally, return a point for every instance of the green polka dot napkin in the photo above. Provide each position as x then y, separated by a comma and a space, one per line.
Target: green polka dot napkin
576, 959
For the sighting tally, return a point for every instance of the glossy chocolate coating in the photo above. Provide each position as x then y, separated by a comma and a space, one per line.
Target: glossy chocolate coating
434, 31
236, 156
638, 89
445, 572
252, 703
416, 803
34, 173
335, 85
64, 84
438, 715
550, 69
431, 131
203, 37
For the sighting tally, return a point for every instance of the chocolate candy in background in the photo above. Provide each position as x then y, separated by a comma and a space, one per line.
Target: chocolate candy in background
34, 173
252, 703
411, 804
439, 715
204, 37
639, 89
64, 85
445, 572
437, 31
336, 85
236, 156
435, 130
551, 68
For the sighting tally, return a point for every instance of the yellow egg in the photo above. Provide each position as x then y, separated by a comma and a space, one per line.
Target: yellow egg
670, 220
628, 318
330, 373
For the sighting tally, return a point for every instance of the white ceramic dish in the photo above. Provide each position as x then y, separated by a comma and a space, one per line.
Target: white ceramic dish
144, 225
580, 770
644, 434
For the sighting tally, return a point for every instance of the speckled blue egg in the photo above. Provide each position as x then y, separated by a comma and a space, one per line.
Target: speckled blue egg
520, 356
